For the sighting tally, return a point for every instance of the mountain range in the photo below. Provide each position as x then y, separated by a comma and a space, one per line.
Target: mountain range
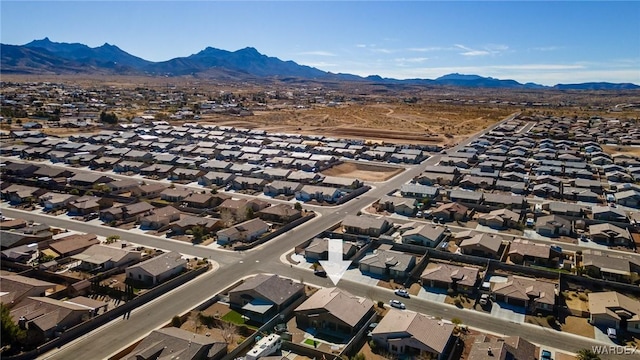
48, 57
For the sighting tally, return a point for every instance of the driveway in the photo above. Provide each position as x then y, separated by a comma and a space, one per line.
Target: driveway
600, 334
433, 294
508, 312
356, 275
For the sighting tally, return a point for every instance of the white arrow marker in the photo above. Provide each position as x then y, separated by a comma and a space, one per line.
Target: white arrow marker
335, 266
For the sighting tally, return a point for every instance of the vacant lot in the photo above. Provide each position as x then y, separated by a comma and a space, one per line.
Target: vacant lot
626, 150
364, 172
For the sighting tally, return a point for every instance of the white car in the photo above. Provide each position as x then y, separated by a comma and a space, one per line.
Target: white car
402, 292
397, 304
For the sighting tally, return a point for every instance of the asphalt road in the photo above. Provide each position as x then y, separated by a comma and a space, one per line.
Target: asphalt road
121, 332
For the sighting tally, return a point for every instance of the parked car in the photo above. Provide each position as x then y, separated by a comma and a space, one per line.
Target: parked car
402, 292
419, 214
612, 334
484, 299
545, 355
397, 304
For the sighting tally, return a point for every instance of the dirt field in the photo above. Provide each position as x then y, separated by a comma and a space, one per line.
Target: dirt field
627, 150
364, 172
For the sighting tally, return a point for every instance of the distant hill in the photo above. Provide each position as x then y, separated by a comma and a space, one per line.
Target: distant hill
83, 54
597, 86
48, 57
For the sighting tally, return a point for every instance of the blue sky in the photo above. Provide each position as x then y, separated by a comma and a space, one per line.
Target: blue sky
543, 42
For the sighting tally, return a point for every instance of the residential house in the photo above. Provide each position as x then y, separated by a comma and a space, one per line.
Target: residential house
463, 196
483, 245
160, 218
420, 191
424, 235
318, 250
462, 279
386, 262
318, 193
610, 309
181, 174
553, 226
564, 209
15, 288
21, 194
160, 171
432, 178
629, 198
126, 212
175, 194
525, 252
103, 257
248, 183
609, 234
87, 180
121, 186
43, 317
73, 244
609, 213
364, 225
87, 204
451, 212
334, 312
511, 347
280, 187
167, 342
612, 267
263, 296
407, 333
341, 182
55, 201
148, 191
402, 206
281, 213
215, 178
245, 232
500, 219
156, 270
530, 293
505, 201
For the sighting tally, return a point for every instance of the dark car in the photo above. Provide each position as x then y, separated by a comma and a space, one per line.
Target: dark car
320, 273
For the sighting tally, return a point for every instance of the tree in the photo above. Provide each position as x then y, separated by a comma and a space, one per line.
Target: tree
176, 321
12, 334
297, 206
112, 238
74, 192
249, 213
108, 118
587, 354
456, 321
198, 233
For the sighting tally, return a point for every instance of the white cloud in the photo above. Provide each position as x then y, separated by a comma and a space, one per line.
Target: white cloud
411, 60
491, 49
361, 45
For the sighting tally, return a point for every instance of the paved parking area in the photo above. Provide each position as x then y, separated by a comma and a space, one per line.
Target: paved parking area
433, 294
508, 312
600, 334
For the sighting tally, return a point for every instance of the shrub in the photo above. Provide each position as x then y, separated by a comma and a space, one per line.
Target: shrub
457, 302
381, 304
583, 297
551, 320
456, 321
176, 321
450, 292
